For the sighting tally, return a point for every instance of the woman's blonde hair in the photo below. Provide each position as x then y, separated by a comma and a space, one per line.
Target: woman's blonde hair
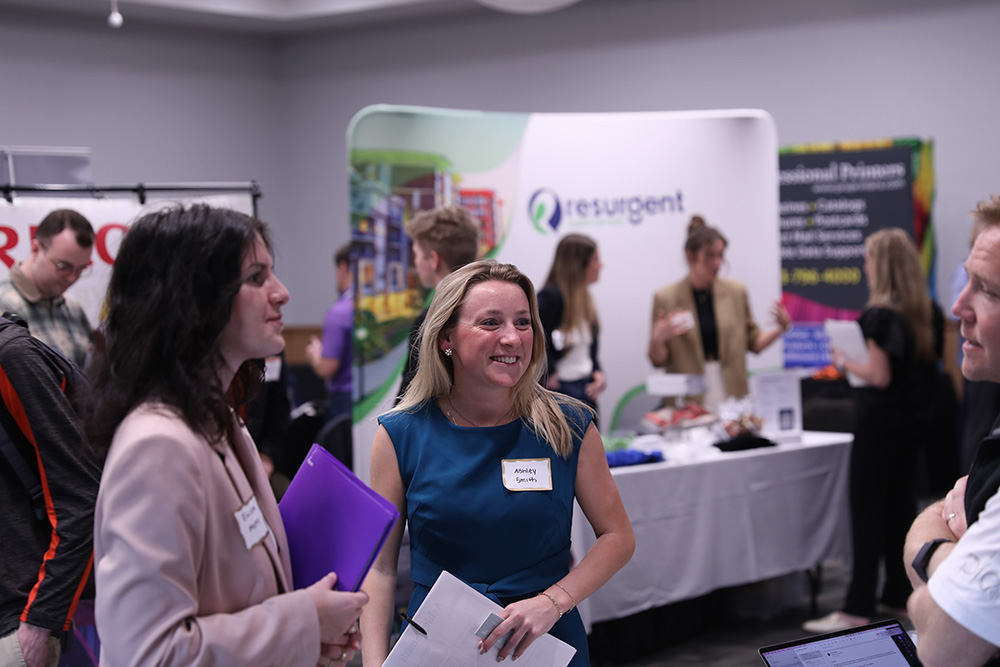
569, 274
538, 407
898, 283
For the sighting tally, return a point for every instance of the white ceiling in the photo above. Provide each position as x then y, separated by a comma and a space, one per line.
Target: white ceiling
266, 16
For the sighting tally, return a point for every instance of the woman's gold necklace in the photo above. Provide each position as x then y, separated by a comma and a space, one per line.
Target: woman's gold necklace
469, 421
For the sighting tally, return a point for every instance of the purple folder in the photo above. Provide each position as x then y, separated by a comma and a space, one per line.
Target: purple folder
334, 522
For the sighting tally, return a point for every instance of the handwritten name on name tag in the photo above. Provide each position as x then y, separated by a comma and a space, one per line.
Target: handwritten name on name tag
253, 525
527, 474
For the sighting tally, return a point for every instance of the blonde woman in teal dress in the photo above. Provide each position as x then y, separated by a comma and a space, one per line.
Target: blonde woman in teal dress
475, 403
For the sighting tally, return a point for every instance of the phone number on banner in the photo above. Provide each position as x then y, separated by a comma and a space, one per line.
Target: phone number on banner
834, 275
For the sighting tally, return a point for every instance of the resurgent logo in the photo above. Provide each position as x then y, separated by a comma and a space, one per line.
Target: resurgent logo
547, 211
543, 207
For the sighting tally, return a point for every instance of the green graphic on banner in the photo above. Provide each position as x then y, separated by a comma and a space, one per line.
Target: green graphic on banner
394, 176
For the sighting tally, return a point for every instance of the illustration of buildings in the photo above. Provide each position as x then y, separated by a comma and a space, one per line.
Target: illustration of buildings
485, 207
386, 189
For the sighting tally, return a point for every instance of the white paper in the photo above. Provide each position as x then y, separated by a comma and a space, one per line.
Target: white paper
674, 384
682, 320
778, 398
451, 613
846, 336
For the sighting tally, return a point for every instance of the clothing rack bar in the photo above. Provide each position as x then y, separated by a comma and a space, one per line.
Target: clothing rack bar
141, 190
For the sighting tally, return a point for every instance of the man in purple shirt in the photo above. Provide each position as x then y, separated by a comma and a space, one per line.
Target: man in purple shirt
331, 357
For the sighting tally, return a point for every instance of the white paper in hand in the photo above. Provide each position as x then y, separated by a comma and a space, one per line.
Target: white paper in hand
451, 614
846, 336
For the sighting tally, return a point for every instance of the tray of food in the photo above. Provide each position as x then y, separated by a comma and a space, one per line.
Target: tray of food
689, 416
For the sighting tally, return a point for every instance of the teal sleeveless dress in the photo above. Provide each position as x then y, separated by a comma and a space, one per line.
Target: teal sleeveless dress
508, 545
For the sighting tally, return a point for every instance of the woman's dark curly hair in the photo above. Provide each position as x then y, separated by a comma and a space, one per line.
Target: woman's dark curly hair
172, 290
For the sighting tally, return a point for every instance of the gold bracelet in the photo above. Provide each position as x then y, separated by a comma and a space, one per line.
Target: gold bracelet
571, 598
558, 608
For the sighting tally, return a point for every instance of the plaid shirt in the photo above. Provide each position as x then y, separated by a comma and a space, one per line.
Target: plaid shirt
58, 322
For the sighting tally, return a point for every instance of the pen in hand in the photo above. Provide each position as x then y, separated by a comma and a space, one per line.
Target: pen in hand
406, 617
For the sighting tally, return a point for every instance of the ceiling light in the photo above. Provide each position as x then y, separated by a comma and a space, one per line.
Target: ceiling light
526, 6
115, 18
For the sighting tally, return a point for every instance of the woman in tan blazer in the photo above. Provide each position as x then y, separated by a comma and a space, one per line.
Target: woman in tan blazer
192, 563
705, 318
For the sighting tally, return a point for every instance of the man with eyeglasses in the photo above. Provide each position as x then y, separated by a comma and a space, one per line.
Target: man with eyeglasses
60, 254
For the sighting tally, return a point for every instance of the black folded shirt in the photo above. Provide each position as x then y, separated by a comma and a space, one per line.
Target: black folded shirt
741, 442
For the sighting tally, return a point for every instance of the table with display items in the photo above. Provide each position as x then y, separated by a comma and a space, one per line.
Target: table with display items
706, 519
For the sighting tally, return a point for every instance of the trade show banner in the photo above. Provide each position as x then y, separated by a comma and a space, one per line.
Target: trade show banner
110, 218
631, 181
833, 196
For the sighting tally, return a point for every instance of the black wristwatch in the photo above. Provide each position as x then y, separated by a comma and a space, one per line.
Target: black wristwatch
923, 558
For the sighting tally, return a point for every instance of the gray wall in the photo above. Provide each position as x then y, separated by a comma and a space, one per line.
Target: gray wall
154, 104
162, 104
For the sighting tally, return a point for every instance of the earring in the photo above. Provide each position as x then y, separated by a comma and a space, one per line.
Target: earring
447, 352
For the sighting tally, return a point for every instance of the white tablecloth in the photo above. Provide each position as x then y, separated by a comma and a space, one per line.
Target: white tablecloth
705, 520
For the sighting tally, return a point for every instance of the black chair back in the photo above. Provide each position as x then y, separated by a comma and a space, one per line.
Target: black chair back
336, 437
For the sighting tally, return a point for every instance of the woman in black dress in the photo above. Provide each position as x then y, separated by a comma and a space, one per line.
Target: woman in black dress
904, 333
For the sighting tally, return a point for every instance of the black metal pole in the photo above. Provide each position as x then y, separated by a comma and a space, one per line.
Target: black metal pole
140, 190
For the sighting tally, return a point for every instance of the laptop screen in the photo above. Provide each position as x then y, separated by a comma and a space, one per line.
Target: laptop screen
882, 644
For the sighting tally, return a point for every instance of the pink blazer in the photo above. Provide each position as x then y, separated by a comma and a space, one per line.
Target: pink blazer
176, 582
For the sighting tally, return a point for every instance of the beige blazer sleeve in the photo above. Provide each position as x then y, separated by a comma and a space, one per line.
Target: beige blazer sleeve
684, 352
176, 582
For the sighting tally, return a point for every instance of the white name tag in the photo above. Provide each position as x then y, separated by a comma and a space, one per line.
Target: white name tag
252, 524
527, 474
272, 369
